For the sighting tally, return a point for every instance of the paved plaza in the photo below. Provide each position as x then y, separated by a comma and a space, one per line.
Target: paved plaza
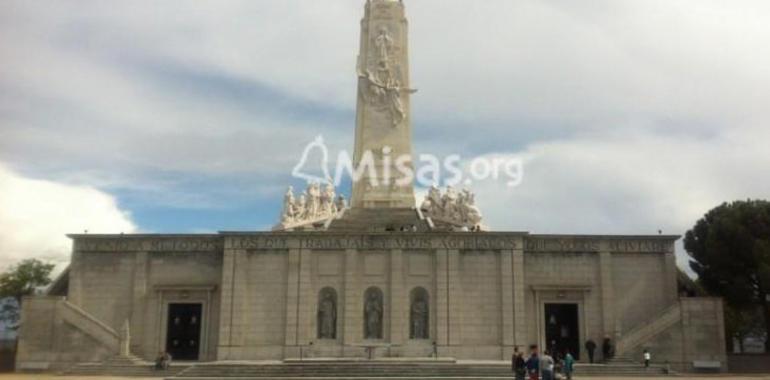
54, 377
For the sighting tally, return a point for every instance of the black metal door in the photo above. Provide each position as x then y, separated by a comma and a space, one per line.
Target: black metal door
561, 329
184, 331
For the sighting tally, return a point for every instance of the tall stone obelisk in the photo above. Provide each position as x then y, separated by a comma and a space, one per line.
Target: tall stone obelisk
383, 126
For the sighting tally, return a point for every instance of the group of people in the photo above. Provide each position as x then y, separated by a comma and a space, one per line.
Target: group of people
608, 351
553, 362
543, 366
163, 361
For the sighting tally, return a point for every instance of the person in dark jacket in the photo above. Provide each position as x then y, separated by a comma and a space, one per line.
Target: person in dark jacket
607, 349
590, 347
533, 364
518, 364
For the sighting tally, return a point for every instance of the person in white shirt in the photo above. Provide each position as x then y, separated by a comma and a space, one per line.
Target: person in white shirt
546, 365
647, 358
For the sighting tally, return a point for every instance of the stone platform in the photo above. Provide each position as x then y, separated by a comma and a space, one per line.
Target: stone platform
394, 368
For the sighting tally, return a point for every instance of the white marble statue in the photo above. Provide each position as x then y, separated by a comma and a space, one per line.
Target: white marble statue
384, 43
316, 203
385, 91
289, 206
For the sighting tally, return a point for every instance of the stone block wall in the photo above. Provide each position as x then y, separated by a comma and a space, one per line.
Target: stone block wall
640, 288
698, 335
48, 341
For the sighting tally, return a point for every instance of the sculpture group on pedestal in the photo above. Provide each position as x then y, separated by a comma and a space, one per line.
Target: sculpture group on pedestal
314, 204
454, 207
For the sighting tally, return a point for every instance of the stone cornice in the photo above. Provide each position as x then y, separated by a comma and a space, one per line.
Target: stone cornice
376, 241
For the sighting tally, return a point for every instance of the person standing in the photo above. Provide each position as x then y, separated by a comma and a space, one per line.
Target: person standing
569, 362
607, 349
590, 347
518, 364
647, 357
533, 364
547, 365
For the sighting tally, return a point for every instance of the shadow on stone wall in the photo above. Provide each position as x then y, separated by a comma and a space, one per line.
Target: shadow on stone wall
748, 363
7, 357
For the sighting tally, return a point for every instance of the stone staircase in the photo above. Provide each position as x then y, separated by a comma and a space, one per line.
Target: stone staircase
123, 366
645, 332
388, 370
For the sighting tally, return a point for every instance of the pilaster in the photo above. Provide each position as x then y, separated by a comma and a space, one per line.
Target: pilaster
670, 288
306, 301
442, 297
352, 328
226, 304
138, 302
292, 299
608, 297
506, 303
455, 296
519, 293
241, 300
398, 310
75, 291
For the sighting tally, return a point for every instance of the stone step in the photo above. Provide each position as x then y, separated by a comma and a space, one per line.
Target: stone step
390, 371
111, 368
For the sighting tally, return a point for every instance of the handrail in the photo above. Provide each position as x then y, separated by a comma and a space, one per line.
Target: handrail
664, 319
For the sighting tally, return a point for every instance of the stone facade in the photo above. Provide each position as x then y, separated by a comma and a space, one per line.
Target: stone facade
259, 294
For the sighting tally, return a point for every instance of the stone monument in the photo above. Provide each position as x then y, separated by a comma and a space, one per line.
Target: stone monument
333, 279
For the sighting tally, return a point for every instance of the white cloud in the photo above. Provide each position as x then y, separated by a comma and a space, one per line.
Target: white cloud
35, 215
635, 115
627, 183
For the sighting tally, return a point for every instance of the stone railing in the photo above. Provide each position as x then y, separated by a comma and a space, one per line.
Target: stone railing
89, 325
648, 330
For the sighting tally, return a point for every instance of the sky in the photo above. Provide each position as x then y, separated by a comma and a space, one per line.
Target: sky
188, 116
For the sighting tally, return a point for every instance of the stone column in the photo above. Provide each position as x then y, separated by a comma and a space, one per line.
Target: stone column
398, 315
608, 298
353, 325
225, 304
506, 303
519, 293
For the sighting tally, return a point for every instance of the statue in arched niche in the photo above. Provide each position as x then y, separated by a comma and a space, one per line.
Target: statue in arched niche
373, 314
327, 314
419, 315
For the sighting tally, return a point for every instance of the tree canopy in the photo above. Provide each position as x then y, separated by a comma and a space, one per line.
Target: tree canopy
21, 280
730, 248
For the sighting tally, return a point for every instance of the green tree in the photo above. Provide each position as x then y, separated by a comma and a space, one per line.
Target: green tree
730, 248
21, 280
742, 323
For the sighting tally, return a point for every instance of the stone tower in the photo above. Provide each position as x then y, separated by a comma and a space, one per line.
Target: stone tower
383, 126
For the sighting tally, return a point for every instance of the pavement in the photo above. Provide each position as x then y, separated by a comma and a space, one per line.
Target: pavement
685, 377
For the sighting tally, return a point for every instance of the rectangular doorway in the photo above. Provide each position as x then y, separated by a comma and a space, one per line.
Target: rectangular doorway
561, 329
183, 331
